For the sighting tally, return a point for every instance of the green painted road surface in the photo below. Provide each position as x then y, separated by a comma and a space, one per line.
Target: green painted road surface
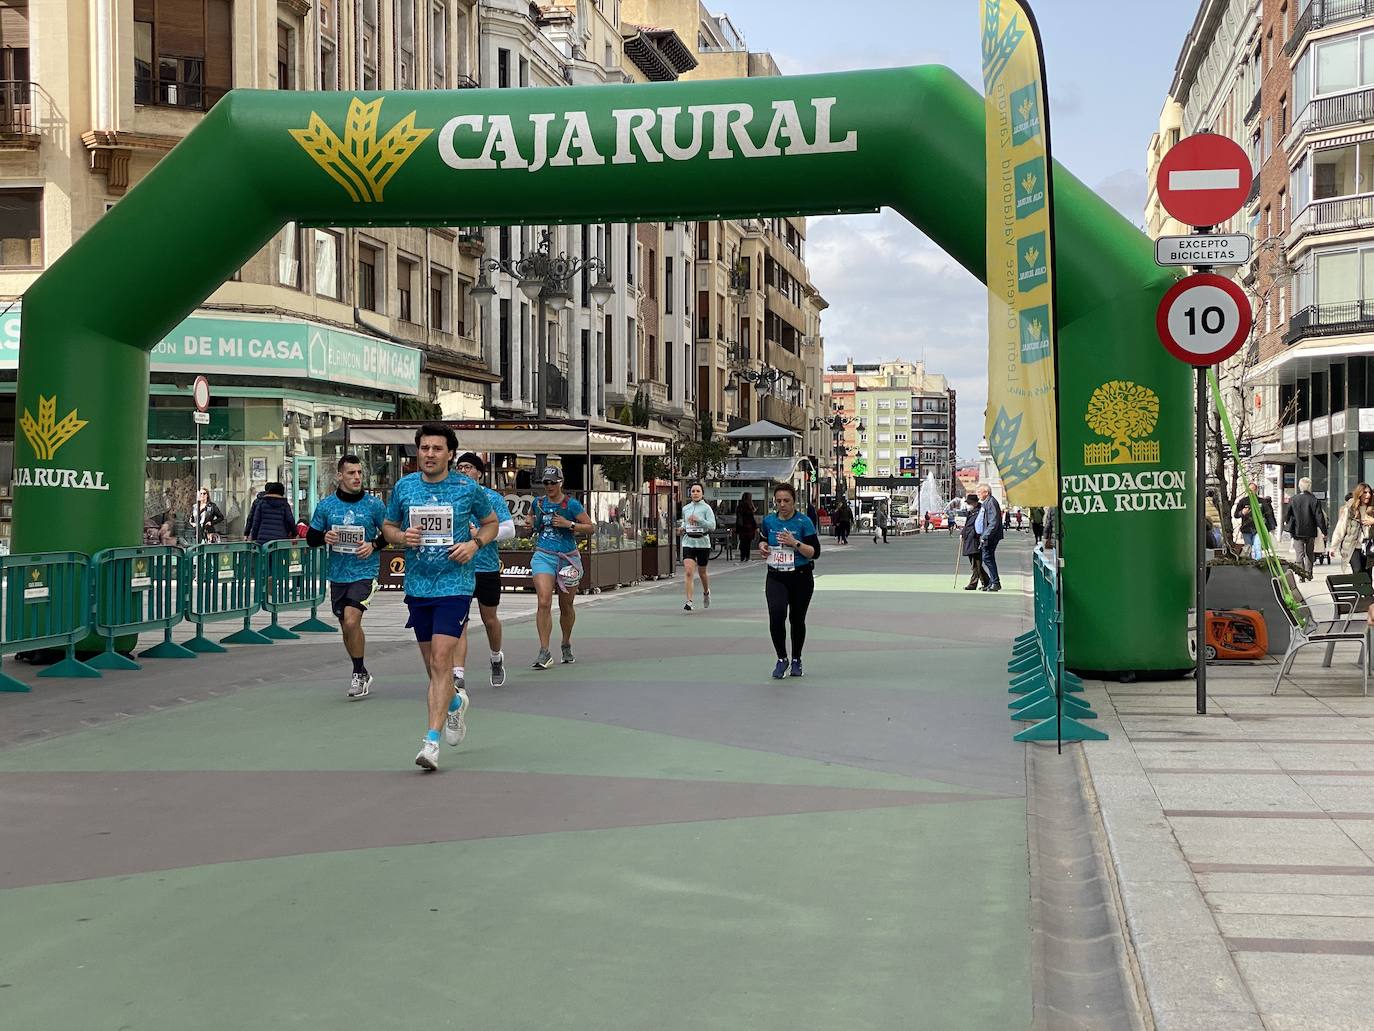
657, 837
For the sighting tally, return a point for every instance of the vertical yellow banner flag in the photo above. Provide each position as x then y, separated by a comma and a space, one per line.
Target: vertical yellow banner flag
1020, 419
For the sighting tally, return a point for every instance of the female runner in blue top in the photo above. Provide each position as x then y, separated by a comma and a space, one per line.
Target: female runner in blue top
555, 520
790, 544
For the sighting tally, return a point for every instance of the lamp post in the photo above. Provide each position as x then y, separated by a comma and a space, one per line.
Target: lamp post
837, 423
544, 277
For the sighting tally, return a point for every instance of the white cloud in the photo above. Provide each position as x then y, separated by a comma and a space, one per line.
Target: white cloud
1126, 191
895, 295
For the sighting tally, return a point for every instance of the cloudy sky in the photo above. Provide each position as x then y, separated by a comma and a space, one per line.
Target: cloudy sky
894, 294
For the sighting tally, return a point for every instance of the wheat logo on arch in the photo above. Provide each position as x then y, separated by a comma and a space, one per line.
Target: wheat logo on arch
1122, 412
359, 162
46, 434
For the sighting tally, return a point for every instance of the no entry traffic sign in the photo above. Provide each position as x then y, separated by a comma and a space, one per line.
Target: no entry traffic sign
1204, 179
1203, 319
200, 393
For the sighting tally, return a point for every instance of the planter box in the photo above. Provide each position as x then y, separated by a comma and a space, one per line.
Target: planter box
1249, 587
657, 561
515, 571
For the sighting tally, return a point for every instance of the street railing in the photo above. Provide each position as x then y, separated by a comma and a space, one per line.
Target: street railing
224, 584
137, 590
46, 600
1047, 692
295, 579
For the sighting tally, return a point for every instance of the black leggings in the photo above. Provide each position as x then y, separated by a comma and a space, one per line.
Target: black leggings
789, 596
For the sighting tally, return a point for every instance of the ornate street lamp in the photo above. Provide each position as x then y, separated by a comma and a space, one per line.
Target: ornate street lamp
545, 277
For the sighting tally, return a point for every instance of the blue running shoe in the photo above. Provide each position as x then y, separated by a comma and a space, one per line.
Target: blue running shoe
780, 670
796, 668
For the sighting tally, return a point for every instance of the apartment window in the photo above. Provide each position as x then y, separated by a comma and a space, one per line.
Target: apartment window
883, 405
1268, 143
586, 271
608, 349
631, 254
1283, 116
405, 44
440, 300
653, 357
328, 275
370, 259
1342, 171
884, 438
405, 286
668, 286
502, 69
289, 255
668, 368
287, 64
1344, 278
631, 346
183, 52
507, 390
370, 44
460, 308
703, 241
328, 64
503, 243
653, 273
900, 438
703, 315
524, 79
21, 228
884, 453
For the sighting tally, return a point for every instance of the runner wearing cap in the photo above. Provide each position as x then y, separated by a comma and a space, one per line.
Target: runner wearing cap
349, 521
556, 519
488, 567
430, 514
698, 520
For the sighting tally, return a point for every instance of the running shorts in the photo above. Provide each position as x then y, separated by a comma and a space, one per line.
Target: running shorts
430, 616
700, 556
358, 594
488, 590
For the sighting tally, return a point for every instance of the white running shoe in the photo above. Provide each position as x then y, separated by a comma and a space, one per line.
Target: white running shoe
428, 759
456, 726
359, 686
706, 600
567, 654
498, 671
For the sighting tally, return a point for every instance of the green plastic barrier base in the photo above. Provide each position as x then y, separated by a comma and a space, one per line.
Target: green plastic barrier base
8, 685
277, 632
71, 666
1039, 694
202, 645
1068, 730
1045, 708
111, 659
1028, 686
167, 650
245, 636
314, 625
1029, 635
1024, 663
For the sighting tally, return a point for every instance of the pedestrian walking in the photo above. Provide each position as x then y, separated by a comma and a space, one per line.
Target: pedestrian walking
206, 517
1020, 519
928, 522
430, 514
486, 578
880, 521
349, 523
790, 545
988, 524
695, 526
844, 520
1037, 521
971, 547
557, 519
1351, 541
1304, 521
270, 518
1271, 522
746, 525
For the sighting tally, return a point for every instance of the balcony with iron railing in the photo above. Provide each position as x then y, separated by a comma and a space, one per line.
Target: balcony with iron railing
1337, 215
1318, 14
189, 93
1329, 320
1353, 108
17, 120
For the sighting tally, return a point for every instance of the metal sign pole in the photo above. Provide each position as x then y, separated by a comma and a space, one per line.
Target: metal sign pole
200, 516
1201, 628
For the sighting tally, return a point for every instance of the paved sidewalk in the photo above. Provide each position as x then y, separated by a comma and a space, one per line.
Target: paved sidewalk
658, 837
1243, 843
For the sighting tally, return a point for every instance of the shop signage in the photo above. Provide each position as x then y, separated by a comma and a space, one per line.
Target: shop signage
294, 350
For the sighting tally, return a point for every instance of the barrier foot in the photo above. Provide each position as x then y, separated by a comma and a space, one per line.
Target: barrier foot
1023, 664
111, 659
245, 636
71, 666
1032, 677
1020, 651
314, 625
202, 644
1029, 635
1045, 708
1072, 682
1068, 730
1032, 697
277, 632
168, 649
8, 685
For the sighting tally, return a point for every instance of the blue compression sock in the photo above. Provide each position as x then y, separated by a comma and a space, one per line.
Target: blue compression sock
433, 735
456, 704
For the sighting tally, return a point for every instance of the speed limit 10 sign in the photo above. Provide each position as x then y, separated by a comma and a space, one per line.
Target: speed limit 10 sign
1203, 319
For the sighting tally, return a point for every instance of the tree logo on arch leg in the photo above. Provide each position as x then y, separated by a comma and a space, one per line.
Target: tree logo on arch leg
46, 435
360, 162
1122, 412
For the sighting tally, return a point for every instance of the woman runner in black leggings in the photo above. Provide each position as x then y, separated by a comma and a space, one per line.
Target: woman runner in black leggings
790, 544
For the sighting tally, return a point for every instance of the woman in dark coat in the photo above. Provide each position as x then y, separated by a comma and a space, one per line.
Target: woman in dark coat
970, 543
746, 525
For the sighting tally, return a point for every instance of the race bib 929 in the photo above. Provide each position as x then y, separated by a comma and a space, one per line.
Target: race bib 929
435, 523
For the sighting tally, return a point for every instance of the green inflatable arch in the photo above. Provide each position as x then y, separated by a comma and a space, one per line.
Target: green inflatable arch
908, 138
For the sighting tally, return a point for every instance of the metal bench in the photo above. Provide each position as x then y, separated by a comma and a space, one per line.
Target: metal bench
1305, 628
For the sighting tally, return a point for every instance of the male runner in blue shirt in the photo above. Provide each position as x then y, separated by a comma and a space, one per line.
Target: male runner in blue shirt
431, 513
488, 567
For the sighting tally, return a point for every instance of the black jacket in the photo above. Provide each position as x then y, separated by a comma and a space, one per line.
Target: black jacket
968, 535
1305, 516
210, 517
270, 520
992, 520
